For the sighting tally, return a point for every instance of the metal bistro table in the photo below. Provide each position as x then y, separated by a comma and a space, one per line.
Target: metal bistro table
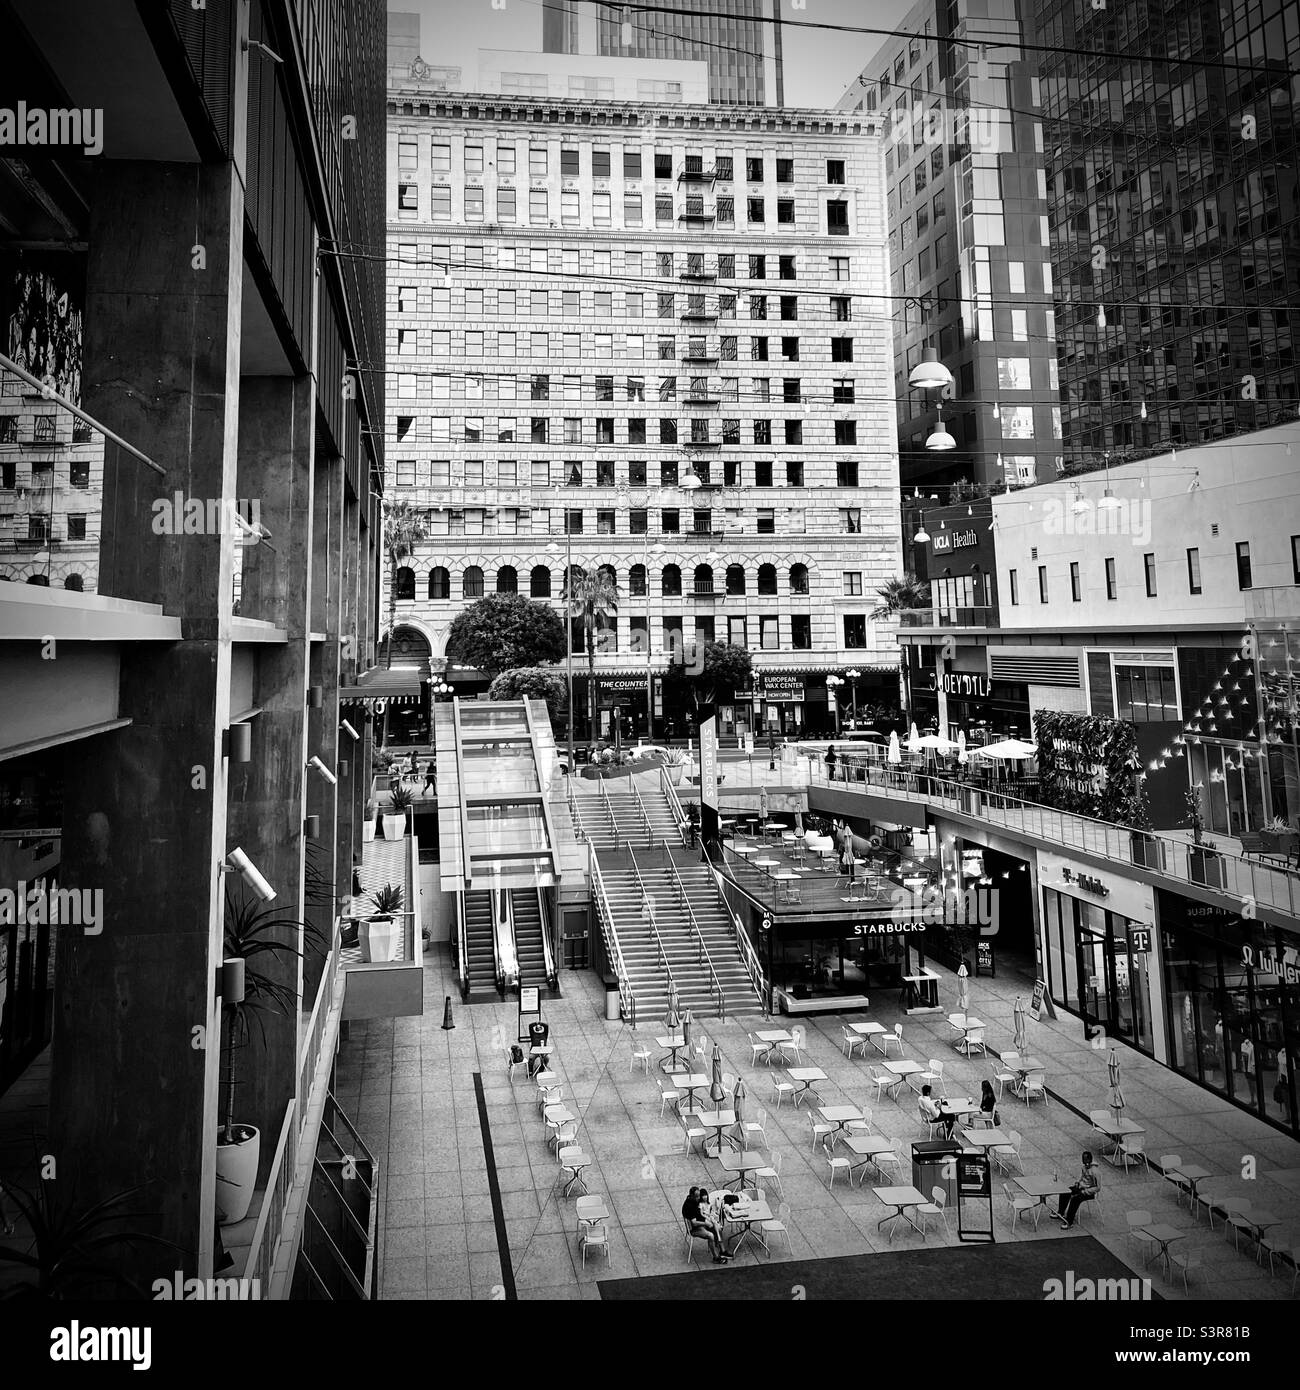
806, 1077
749, 1214
776, 1040
719, 1121
1040, 1186
900, 1198
741, 1164
675, 1044
690, 1082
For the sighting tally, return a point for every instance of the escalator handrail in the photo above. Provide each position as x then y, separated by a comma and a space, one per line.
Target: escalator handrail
548, 953
462, 946
498, 967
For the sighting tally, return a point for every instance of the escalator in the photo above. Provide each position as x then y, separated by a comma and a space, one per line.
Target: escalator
530, 947
480, 947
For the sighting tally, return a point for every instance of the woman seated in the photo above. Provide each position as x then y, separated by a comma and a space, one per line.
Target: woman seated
696, 1213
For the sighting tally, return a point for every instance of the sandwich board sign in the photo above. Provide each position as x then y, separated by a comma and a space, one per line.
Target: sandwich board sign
974, 1198
530, 1008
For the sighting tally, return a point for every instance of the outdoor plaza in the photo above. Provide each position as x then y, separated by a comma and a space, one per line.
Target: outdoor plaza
571, 1184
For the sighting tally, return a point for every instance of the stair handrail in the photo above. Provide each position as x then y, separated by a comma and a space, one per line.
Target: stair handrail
609, 933
648, 908
462, 947
498, 965
674, 801
548, 955
645, 814
744, 946
579, 830
702, 956
609, 812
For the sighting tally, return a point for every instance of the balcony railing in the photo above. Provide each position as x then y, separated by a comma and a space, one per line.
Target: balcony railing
701, 357
1203, 866
701, 400
944, 616
1279, 602
700, 175
698, 276
700, 316
702, 215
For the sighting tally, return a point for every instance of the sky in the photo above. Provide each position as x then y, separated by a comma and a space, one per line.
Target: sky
818, 65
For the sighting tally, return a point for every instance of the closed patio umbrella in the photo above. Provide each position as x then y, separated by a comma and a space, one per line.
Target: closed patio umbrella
963, 989
895, 754
1112, 1076
762, 804
737, 1103
686, 1030
1021, 1037
673, 1011
913, 735
717, 1091
961, 746
798, 823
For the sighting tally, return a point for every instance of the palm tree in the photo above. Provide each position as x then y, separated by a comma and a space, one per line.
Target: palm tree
591, 596
404, 529
900, 594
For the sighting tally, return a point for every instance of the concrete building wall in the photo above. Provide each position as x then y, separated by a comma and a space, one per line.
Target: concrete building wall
591, 76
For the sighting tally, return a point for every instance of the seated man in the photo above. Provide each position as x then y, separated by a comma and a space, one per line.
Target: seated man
695, 1211
1084, 1190
933, 1113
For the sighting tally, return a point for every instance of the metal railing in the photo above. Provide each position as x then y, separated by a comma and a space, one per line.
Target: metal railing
949, 615
609, 812
674, 801
548, 949
644, 814
702, 954
647, 906
1204, 866
462, 947
331, 981
609, 934
744, 947
270, 1219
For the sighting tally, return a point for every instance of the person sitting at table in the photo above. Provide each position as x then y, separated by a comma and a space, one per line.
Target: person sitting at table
988, 1103
695, 1212
1084, 1190
934, 1114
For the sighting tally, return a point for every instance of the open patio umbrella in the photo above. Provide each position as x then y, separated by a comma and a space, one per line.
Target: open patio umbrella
1112, 1077
895, 754
931, 743
1021, 1037
1006, 750
963, 989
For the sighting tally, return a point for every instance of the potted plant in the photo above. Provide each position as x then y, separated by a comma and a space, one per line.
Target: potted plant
1280, 838
395, 820
75, 1252
254, 933
368, 823
379, 931
1204, 864
675, 761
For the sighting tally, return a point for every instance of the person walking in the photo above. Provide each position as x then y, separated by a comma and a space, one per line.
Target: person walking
771, 750
1084, 1190
429, 775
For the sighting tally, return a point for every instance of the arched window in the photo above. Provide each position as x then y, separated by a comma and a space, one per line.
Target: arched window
703, 579
798, 579
439, 583
404, 583
539, 582
767, 579
610, 573
473, 582
636, 581
507, 580
735, 579
671, 582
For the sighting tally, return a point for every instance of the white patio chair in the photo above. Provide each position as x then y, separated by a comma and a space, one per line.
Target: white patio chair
512, 1062
1185, 1260
1002, 1076
884, 1081
1004, 1154
757, 1050
863, 1126
895, 1037
937, 1206
879, 1160
975, 1039
932, 1076
1228, 1208
756, 1126
564, 1135
1020, 1205
849, 1040
640, 1054
585, 1209
694, 1132
777, 1226
838, 1165
1136, 1220
594, 1238
691, 1237
1131, 1149
772, 1173
1035, 1088
821, 1130
667, 1096
1168, 1164
781, 1089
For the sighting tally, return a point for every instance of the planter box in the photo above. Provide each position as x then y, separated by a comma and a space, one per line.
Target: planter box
367, 830
237, 1174
379, 938
1147, 851
1205, 866
394, 827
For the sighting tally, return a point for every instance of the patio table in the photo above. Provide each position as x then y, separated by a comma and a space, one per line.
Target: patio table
1113, 1129
867, 1146
1041, 1186
900, 1198
805, 1076
676, 1045
904, 1067
987, 1139
717, 1120
1164, 1236
690, 1082
749, 1214
767, 865
839, 1116
576, 1162
784, 882
775, 1038
867, 1030
742, 1163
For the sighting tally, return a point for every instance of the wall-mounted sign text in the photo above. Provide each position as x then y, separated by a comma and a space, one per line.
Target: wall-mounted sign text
954, 683
1085, 881
954, 540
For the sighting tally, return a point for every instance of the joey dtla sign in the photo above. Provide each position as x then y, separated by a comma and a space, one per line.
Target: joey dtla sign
955, 683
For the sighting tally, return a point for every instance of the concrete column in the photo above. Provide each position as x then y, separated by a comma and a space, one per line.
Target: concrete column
268, 795
135, 1057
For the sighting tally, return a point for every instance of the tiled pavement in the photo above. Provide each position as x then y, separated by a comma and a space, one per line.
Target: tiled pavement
410, 1087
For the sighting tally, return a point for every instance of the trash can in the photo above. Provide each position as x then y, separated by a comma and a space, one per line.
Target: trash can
934, 1164
613, 1008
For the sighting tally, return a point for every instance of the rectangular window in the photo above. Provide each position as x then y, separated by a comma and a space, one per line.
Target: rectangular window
505, 429
755, 209
631, 209
853, 583
570, 210
1194, 567
841, 349
790, 349
663, 166
1042, 583
837, 211
758, 349
1295, 559
789, 306
1149, 573
538, 207
631, 164
569, 164
506, 205
1076, 587
1243, 565
1112, 583
855, 630
839, 267
726, 267
600, 164
785, 212
758, 267
537, 161
754, 170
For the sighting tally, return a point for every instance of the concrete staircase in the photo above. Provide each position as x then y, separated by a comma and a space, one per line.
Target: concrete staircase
636, 939
620, 812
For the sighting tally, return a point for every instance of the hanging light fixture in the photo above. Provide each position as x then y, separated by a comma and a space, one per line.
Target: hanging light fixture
921, 534
626, 31
1142, 414
939, 437
930, 374
1108, 499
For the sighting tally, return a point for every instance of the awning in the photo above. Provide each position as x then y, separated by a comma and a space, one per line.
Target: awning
400, 684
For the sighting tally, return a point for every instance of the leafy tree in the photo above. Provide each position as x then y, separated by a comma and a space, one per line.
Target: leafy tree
724, 667
590, 597
503, 632
531, 682
898, 595
404, 529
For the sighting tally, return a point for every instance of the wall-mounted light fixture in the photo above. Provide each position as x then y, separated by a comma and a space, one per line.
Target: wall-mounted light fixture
237, 862
237, 743
323, 770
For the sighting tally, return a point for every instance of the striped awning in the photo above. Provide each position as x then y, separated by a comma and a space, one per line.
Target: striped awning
399, 684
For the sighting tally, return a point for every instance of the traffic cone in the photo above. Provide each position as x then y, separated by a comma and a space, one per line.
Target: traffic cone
446, 1015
